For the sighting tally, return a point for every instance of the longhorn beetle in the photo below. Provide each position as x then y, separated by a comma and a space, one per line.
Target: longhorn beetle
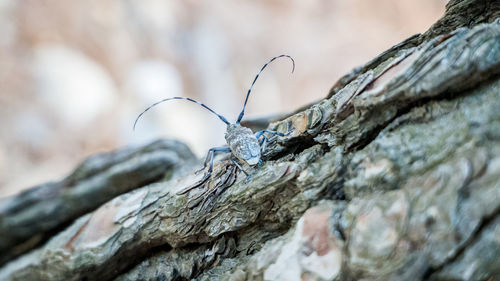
242, 143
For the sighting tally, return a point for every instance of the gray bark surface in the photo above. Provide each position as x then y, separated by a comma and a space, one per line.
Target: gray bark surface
30, 217
395, 175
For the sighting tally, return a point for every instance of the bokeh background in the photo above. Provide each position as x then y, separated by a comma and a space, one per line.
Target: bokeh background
75, 74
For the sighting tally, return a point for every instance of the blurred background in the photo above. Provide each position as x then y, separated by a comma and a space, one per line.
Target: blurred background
75, 74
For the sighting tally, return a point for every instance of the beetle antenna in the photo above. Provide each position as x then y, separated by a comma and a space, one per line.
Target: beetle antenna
181, 98
255, 79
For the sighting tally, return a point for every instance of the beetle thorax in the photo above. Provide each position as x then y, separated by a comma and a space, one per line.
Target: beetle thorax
243, 144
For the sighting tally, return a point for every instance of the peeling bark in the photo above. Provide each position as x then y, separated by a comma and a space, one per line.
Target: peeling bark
395, 175
30, 217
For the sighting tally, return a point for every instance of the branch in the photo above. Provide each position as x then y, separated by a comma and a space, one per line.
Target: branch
401, 165
28, 218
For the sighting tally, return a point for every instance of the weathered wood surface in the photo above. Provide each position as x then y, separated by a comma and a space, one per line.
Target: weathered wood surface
27, 219
394, 176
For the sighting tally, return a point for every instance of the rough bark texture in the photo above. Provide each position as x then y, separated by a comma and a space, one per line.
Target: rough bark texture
27, 219
394, 176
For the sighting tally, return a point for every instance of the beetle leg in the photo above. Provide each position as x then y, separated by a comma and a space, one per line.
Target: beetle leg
210, 158
259, 133
276, 133
247, 179
238, 165
241, 168
263, 144
265, 139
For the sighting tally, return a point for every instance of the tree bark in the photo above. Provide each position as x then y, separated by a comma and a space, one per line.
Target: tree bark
395, 175
31, 217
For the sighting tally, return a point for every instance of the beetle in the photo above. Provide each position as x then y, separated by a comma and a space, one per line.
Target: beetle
245, 146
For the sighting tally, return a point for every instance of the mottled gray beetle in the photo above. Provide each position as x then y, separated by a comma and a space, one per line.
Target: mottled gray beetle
242, 143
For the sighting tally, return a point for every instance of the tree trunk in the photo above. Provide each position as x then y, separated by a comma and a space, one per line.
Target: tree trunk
395, 175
